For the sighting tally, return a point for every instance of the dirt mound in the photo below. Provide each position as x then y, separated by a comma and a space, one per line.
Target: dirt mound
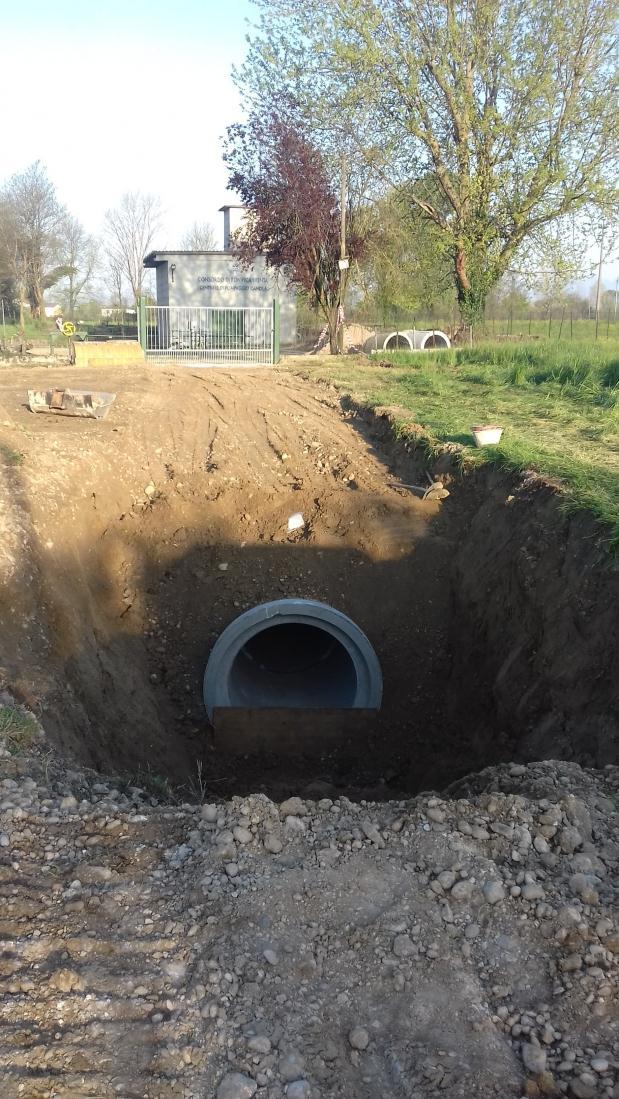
128, 545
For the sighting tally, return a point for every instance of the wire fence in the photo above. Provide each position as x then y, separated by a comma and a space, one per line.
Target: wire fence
378, 333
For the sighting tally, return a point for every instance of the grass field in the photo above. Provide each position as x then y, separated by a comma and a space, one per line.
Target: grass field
558, 405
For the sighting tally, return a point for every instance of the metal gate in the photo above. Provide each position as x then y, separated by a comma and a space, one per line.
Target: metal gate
209, 336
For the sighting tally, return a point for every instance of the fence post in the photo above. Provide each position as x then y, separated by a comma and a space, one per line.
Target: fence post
275, 332
142, 323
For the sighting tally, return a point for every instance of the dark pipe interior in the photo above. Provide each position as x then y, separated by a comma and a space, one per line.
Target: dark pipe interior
293, 665
435, 341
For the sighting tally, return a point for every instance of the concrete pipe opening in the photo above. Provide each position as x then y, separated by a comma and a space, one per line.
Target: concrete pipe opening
416, 339
296, 654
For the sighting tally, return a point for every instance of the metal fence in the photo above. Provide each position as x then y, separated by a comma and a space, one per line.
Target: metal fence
201, 334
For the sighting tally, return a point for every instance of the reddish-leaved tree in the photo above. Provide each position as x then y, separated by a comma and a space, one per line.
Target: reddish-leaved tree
293, 214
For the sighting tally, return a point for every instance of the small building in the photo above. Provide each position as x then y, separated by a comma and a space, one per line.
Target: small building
218, 279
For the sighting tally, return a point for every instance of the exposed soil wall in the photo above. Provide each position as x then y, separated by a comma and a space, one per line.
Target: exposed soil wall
131, 543
536, 613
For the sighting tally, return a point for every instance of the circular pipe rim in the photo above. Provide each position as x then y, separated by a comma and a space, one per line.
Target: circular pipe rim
309, 612
417, 338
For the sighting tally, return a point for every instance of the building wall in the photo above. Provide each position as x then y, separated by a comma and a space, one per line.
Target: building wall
217, 279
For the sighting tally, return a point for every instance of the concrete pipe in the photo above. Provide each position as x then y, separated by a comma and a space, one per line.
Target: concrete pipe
416, 339
292, 654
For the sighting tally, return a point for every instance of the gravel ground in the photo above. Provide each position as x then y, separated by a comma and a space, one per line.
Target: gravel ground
458, 945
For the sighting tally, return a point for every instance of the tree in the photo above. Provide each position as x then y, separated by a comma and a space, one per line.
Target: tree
406, 269
79, 253
30, 218
510, 107
201, 237
12, 273
293, 212
129, 232
115, 283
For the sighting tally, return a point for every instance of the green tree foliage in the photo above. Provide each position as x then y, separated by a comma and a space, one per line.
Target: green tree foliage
406, 269
510, 107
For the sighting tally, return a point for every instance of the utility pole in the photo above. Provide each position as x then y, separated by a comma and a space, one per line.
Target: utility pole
599, 287
343, 262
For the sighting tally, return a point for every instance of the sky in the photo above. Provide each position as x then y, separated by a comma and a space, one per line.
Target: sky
124, 96
130, 95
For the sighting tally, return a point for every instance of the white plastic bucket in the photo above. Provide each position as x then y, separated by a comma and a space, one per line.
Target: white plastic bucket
487, 434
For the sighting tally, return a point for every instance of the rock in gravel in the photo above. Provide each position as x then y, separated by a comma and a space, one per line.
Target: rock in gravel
446, 878
533, 891
569, 840
372, 833
236, 1086
272, 844
533, 1057
581, 1089
436, 815
66, 980
291, 1066
359, 1038
293, 807
462, 890
600, 1064
493, 891
403, 946
298, 1089
259, 1044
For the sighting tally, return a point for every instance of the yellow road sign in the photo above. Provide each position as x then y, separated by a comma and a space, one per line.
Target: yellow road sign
68, 328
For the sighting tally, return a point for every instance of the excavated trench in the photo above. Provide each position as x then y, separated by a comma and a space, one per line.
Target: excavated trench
492, 616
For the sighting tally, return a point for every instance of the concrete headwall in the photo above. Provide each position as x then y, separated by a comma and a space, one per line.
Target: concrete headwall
108, 353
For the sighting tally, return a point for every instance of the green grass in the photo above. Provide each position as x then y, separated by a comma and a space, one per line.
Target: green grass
10, 456
33, 330
18, 729
558, 405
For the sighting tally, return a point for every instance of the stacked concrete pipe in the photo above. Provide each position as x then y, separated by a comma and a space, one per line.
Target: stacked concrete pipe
416, 339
